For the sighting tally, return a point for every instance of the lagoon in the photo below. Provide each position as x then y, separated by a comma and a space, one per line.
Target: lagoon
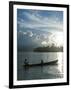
45, 72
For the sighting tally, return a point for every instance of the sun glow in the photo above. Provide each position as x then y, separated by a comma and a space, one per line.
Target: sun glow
58, 39
55, 39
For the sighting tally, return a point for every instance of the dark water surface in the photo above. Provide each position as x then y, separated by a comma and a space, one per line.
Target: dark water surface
39, 72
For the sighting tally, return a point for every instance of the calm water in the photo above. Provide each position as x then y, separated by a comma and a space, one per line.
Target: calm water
45, 72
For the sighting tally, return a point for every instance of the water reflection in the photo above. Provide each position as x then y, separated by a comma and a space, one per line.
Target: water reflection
60, 62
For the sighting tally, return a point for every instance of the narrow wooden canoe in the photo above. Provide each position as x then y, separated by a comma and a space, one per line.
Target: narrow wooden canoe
54, 62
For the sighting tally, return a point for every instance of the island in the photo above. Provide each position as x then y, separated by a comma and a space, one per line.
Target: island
49, 49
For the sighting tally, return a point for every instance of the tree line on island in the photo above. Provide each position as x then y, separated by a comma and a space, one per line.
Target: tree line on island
51, 48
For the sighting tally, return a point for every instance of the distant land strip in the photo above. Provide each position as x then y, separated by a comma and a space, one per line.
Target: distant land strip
48, 49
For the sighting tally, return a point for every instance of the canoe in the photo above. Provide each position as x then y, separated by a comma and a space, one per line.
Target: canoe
54, 62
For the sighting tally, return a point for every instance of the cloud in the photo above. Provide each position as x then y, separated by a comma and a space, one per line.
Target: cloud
24, 33
34, 21
27, 33
39, 22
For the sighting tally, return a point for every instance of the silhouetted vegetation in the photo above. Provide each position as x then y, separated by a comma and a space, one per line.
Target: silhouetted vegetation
49, 49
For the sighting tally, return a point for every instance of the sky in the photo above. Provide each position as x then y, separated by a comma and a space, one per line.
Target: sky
39, 28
